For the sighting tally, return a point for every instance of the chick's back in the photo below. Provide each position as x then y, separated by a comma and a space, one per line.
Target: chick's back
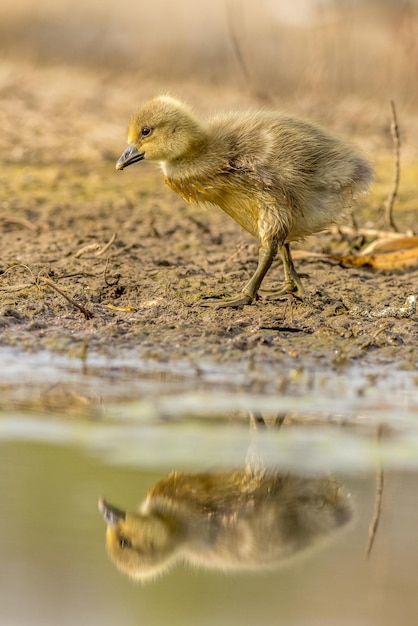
303, 169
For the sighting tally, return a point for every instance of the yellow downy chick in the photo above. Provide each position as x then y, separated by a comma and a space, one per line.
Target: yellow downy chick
279, 177
238, 520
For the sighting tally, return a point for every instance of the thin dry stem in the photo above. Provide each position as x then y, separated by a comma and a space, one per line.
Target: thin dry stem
17, 266
17, 286
95, 248
108, 282
21, 221
374, 524
106, 246
230, 21
394, 130
86, 312
368, 232
91, 247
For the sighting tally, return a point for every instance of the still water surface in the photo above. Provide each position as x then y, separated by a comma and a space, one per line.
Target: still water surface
54, 568
274, 528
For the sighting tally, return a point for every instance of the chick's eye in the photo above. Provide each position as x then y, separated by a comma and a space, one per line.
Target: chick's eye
146, 131
124, 542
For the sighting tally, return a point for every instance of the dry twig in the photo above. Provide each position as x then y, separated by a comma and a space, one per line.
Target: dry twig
21, 221
17, 286
108, 282
95, 247
368, 232
377, 502
123, 309
47, 281
394, 130
85, 249
106, 246
230, 21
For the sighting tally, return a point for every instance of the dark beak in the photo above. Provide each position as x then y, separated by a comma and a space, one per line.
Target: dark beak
110, 513
129, 156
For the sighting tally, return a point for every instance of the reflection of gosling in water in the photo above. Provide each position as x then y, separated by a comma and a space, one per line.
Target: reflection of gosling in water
236, 520
281, 178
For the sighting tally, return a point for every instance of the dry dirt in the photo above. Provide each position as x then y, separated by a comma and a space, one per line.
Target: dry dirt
62, 202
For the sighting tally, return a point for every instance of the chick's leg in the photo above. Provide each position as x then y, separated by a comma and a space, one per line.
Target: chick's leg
266, 256
292, 283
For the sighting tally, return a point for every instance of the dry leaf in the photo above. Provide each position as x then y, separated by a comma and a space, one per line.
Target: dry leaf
124, 309
391, 244
399, 259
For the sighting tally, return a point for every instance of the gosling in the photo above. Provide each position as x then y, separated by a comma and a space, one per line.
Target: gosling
279, 177
248, 518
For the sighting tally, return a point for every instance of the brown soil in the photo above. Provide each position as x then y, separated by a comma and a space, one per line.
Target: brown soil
62, 202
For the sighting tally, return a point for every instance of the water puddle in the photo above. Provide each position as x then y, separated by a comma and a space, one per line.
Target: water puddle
165, 495
54, 382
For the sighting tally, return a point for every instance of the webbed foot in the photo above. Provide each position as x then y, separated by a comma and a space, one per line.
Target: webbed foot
288, 290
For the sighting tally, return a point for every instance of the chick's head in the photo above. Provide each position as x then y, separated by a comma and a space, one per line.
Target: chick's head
141, 546
164, 130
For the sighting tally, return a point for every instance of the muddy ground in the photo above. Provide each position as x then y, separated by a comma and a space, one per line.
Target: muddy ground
62, 202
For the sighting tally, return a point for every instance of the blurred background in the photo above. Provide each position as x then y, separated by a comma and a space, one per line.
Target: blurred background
80, 68
316, 50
